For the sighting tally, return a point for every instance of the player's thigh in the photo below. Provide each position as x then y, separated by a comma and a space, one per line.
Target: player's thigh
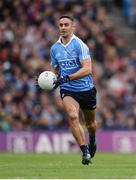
71, 106
89, 115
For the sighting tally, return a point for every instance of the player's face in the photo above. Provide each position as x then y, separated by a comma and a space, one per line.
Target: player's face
65, 27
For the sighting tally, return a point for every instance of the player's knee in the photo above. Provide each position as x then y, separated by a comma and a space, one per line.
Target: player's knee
92, 125
73, 116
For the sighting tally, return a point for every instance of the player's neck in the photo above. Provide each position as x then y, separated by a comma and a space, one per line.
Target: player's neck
65, 40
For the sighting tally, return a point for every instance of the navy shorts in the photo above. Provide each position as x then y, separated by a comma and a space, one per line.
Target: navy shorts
86, 99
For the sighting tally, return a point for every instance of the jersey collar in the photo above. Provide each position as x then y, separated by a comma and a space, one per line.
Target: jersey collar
73, 37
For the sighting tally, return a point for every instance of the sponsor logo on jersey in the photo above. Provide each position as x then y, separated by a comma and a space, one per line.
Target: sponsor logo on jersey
68, 64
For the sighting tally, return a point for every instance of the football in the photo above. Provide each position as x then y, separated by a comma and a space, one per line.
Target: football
46, 80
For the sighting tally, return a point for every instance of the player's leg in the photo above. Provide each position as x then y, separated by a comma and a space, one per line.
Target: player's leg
89, 117
72, 108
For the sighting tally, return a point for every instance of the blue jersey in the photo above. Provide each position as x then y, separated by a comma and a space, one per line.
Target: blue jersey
68, 58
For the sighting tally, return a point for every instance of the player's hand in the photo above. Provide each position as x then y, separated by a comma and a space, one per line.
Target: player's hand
61, 80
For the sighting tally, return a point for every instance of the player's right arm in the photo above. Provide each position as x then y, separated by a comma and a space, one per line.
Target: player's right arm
54, 63
55, 70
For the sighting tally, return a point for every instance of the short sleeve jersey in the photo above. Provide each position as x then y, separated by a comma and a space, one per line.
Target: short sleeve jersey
68, 58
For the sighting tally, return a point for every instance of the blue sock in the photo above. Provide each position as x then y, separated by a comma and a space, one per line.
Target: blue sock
84, 149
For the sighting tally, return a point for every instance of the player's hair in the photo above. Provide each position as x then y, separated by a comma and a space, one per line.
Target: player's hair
66, 16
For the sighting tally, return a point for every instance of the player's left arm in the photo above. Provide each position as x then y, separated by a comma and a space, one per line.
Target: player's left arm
85, 70
85, 61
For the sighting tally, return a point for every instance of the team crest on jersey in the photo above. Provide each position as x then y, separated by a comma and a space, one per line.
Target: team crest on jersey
74, 53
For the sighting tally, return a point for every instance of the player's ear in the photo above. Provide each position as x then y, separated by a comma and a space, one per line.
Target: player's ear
74, 26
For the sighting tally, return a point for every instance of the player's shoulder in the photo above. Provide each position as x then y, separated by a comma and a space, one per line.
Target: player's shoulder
54, 46
77, 39
79, 42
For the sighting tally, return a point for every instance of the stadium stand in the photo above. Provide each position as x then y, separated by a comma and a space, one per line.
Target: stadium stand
27, 31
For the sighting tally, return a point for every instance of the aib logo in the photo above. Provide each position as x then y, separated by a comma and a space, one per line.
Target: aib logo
69, 64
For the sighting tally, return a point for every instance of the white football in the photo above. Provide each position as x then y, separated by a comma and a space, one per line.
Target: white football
46, 80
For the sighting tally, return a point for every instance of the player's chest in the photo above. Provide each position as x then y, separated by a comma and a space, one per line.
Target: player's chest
66, 53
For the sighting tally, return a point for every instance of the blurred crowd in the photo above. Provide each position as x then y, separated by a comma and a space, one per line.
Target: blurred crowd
128, 9
27, 31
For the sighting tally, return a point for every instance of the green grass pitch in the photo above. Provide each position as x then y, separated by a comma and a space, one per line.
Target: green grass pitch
67, 166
